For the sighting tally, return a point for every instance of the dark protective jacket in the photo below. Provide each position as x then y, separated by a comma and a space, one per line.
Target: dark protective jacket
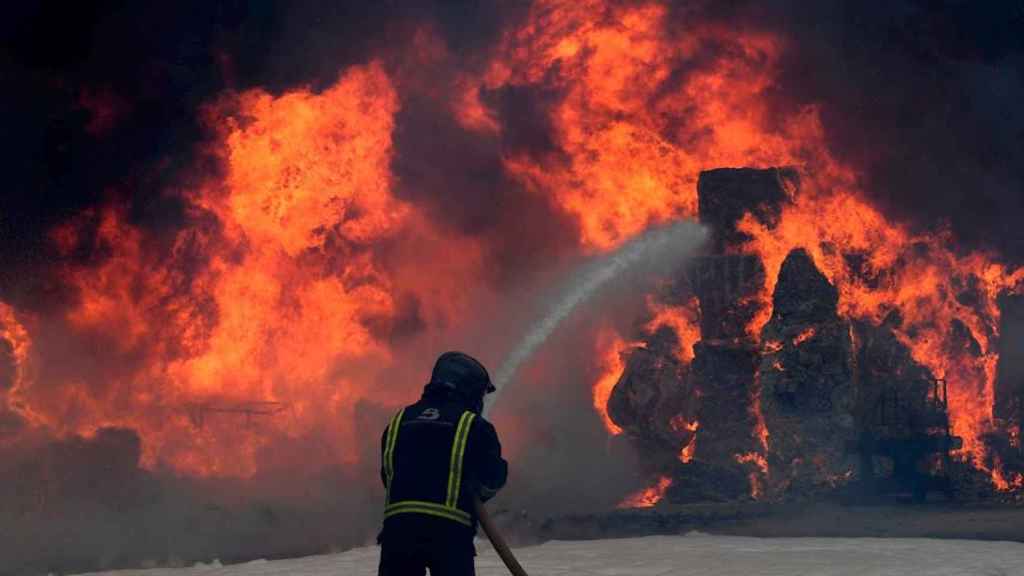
434, 455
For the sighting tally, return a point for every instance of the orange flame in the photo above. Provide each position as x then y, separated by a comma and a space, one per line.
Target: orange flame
679, 424
920, 277
803, 336
610, 347
682, 319
283, 309
1001, 482
760, 429
647, 497
15, 338
756, 489
269, 329
629, 165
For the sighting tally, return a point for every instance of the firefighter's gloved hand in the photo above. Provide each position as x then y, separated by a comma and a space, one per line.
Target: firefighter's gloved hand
486, 493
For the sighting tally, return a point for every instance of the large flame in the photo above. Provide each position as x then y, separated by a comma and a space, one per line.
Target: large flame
14, 348
298, 262
287, 297
610, 347
629, 161
934, 289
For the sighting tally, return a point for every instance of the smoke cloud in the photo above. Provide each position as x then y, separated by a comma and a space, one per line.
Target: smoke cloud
921, 97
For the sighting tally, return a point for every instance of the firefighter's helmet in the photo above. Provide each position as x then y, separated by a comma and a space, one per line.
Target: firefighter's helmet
462, 372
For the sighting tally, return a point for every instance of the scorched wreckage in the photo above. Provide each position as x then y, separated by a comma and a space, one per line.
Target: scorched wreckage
785, 384
249, 257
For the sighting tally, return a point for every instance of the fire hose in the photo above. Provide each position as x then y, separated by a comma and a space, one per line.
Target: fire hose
500, 546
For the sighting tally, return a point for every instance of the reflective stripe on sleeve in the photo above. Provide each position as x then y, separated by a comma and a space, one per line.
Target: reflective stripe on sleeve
389, 451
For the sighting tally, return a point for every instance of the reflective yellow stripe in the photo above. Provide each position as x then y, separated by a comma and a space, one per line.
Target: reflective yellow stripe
452, 466
424, 504
429, 508
458, 452
389, 450
449, 509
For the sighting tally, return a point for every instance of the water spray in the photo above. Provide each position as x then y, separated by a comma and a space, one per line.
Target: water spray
655, 251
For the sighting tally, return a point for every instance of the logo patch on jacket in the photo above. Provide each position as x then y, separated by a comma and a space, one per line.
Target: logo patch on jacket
429, 414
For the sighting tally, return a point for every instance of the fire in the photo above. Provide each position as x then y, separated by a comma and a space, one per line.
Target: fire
999, 479
647, 497
610, 347
298, 260
761, 435
16, 339
630, 164
682, 319
14, 344
686, 454
756, 488
760, 429
803, 336
679, 423
273, 305
915, 274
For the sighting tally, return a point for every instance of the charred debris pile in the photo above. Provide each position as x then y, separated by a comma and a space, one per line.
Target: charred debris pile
810, 405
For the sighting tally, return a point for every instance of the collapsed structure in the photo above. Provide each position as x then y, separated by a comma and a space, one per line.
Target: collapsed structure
787, 398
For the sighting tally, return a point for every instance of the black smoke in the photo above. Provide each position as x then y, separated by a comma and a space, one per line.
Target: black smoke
102, 99
101, 104
924, 98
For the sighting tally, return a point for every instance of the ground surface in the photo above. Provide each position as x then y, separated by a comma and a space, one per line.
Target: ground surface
695, 554
934, 520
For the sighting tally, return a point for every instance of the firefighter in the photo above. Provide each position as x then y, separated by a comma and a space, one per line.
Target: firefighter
437, 455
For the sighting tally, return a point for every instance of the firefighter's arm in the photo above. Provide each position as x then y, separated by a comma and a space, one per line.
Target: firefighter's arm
491, 469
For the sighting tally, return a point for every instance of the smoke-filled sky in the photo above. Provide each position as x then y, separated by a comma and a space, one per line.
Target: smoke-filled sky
101, 100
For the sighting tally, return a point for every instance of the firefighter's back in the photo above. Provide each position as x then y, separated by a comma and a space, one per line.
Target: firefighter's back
437, 455
427, 493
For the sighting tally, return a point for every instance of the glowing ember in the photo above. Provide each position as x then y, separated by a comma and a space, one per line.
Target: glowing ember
1001, 482
760, 429
679, 424
647, 497
803, 336
756, 489
686, 454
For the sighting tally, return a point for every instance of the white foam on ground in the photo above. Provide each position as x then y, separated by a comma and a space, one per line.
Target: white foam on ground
695, 555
